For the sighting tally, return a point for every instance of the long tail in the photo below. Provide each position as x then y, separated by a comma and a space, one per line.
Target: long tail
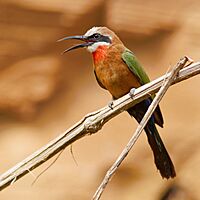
161, 157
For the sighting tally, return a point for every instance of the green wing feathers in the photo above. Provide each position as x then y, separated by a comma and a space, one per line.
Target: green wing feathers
135, 67
133, 64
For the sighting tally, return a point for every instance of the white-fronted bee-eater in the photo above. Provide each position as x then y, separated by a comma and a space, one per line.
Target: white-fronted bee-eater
117, 70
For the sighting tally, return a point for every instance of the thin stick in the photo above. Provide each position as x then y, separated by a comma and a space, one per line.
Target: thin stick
91, 123
72, 153
140, 127
42, 172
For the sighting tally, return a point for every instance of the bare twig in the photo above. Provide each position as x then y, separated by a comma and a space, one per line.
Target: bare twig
89, 124
42, 172
72, 153
140, 127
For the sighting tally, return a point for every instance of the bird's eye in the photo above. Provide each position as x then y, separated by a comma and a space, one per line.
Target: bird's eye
96, 36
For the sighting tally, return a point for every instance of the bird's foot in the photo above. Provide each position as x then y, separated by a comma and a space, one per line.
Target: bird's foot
132, 92
110, 104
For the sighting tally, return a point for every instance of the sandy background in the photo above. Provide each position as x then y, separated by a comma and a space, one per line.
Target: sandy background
44, 93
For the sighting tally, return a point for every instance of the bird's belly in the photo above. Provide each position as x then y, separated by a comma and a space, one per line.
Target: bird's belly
117, 80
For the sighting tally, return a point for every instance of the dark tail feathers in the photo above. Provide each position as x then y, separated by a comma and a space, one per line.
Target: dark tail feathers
161, 157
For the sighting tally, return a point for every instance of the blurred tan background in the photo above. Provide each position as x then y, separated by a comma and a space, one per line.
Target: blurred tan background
44, 93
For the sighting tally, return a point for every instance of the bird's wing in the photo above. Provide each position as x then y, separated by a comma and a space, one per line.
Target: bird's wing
135, 67
98, 81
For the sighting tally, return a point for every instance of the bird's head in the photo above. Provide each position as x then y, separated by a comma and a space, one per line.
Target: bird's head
94, 39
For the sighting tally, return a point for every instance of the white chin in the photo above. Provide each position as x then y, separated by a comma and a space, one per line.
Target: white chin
93, 47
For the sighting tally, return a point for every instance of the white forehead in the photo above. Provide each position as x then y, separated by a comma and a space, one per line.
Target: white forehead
92, 31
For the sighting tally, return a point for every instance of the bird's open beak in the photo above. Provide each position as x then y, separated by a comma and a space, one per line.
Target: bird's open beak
77, 37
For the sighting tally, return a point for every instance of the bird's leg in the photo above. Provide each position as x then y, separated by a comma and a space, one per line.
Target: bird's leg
110, 104
132, 92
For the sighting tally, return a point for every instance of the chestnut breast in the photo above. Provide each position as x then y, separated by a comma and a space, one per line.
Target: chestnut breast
114, 74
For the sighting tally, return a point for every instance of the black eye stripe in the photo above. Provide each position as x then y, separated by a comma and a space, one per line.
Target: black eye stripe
106, 39
97, 37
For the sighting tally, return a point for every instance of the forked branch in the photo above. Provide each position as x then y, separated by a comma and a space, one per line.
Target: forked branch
166, 84
91, 123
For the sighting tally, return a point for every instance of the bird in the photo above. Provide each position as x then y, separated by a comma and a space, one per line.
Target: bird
118, 70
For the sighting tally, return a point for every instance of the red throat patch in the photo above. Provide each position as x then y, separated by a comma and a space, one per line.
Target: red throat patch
100, 53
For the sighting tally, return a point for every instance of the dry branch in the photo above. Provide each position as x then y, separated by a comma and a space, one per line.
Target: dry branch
168, 81
91, 123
